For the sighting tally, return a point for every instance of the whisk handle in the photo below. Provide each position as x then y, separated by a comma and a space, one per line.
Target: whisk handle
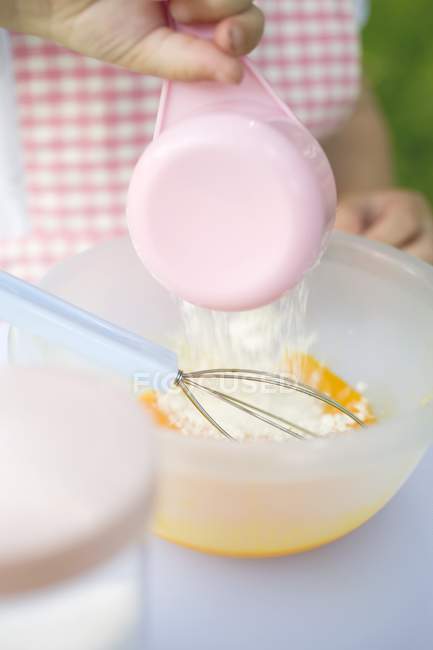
61, 323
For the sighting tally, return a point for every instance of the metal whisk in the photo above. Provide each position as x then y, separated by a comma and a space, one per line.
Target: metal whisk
191, 380
61, 323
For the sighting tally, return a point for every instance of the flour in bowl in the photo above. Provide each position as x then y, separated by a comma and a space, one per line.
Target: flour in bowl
273, 339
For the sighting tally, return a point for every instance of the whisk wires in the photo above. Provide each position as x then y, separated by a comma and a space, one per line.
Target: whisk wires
188, 381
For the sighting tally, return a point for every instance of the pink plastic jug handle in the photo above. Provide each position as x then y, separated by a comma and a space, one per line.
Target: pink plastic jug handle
194, 97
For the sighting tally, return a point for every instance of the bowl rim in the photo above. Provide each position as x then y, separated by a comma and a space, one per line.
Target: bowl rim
342, 246
386, 434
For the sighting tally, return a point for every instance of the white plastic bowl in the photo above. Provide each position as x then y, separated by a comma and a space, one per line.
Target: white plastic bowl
373, 309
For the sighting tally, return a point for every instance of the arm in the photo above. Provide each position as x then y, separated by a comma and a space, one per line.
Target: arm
369, 202
360, 154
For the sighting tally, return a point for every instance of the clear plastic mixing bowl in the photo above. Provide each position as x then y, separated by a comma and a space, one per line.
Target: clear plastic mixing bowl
372, 307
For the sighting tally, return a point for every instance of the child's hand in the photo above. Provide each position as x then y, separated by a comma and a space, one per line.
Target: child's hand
134, 33
401, 218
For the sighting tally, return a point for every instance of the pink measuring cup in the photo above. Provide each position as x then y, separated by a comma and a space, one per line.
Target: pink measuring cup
230, 204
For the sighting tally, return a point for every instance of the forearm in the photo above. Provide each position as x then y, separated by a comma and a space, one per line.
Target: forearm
360, 153
8, 13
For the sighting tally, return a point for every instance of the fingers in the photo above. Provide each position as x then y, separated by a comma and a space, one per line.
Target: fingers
395, 226
145, 44
396, 217
240, 34
206, 11
350, 218
422, 247
239, 24
355, 213
400, 219
178, 56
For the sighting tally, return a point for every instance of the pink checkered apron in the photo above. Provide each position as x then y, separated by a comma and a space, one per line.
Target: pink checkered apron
84, 123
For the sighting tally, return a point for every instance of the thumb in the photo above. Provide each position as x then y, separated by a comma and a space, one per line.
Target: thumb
350, 218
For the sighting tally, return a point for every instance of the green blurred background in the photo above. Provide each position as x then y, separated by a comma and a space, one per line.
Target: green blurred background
398, 54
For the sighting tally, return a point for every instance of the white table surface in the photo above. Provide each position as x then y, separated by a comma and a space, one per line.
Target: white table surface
372, 590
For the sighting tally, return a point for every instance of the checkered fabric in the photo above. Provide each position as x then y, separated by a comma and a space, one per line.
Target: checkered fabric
84, 123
